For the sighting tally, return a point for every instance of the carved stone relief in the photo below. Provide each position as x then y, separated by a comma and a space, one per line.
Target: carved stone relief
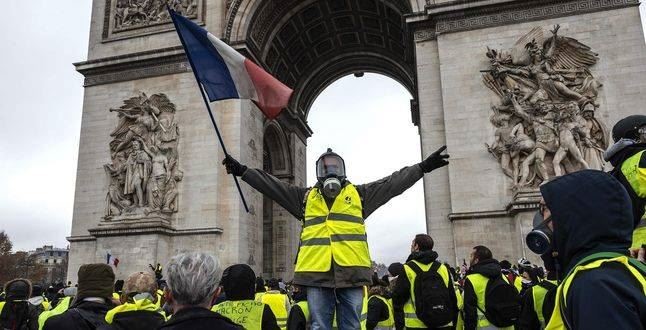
546, 121
127, 18
143, 175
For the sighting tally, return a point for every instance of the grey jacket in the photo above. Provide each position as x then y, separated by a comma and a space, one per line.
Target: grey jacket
373, 195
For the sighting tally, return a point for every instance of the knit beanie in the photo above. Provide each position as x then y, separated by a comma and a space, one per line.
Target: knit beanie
238, 282
95, 280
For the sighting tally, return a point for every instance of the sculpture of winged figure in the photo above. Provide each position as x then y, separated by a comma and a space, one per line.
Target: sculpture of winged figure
543, 83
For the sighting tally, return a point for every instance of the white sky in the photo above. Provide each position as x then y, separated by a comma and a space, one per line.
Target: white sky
40, 117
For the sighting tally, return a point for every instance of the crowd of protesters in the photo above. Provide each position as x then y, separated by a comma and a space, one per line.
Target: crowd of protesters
588, 230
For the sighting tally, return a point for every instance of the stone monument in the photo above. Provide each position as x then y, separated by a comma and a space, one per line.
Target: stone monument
520, 91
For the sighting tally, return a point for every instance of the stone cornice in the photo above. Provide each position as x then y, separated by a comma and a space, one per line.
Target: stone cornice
133, 66
523, 200
159, 229
463, 15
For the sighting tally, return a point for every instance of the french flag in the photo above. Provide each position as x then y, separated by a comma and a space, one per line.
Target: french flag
225, 73
112, 260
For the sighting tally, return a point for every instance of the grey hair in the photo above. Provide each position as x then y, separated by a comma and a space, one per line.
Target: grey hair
193, 277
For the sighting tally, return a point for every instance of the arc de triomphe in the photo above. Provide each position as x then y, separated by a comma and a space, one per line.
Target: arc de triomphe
150, 183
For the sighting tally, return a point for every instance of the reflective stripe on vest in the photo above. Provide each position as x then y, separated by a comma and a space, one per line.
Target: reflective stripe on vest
538, 296
138, 305
390, 321
1, 306
247, 313
338, 233
558, 320
305, 309
410, 315
479, 284
278, 303
60, 308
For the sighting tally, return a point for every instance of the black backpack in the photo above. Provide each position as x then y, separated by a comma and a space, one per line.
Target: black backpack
502, 303
435, 304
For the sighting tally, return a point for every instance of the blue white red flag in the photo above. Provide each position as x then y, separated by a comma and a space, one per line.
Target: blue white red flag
225, 73
112, 260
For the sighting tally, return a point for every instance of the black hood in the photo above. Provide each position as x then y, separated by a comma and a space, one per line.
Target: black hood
625, 153
489, 268
591, 213
425, 257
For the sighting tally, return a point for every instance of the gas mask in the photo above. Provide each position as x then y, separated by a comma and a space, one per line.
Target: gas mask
539, 240
330, 172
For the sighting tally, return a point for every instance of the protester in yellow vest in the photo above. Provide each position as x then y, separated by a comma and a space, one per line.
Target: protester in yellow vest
61, 306
333, 261
299, 316
238, 283
484, 268
628, 156
278, 302
585, 220
138, 309
423, 263
380, 309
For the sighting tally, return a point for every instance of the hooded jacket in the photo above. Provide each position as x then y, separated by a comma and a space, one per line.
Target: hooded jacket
617, 160
18, 313
592, 213
489, 268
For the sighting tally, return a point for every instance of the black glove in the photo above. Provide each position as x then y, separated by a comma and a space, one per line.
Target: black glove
435, 160
233, 166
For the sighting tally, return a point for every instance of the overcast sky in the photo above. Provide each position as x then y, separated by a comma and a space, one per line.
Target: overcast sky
40, 117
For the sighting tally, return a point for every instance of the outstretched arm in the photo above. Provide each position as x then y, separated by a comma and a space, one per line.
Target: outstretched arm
377, 193
286, 195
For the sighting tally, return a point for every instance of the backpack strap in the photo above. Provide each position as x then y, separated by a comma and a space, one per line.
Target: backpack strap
415, 267
641, 267
546, 285
90, 318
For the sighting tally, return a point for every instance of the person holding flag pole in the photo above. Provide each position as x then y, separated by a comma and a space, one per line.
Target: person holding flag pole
223, 73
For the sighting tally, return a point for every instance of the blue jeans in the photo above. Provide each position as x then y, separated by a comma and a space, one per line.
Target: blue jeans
323, 302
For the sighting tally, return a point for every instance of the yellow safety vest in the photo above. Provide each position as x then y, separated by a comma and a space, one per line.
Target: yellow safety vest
2, 305
458, 295
60, 308
138, 305
278, 303
247, 313
558, 320
538, 296
479, 284
390, 321
305, 309
258, 296
636, 177
410, 314
338, 233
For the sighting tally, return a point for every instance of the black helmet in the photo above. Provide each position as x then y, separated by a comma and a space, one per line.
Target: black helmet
330, 164
627, 127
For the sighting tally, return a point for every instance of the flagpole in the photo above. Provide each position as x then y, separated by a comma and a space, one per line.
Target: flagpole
208, 106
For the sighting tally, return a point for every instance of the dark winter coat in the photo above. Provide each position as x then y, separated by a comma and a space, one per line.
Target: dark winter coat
135, 320
592, 213
197, 318
83, 315
19, 316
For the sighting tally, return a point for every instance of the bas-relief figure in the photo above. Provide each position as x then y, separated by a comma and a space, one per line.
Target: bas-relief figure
139, 13
143, 175
545, 122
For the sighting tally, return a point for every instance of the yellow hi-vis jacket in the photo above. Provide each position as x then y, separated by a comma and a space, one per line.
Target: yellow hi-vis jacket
338, 233
479, 283
247, 313
410, 314
279, 304
390, 321
60, 308
138, 305
305, 309
538, 298
636, 177
558, 319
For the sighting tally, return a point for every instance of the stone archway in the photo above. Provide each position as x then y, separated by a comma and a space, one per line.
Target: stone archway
308, 45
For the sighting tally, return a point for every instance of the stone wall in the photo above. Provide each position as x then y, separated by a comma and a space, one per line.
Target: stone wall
460, 116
